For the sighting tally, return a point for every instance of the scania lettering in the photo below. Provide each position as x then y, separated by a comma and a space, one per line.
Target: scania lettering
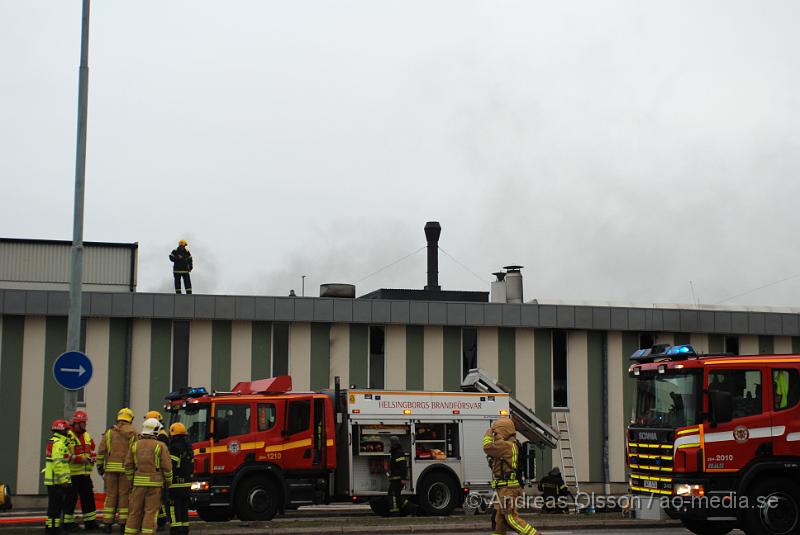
718, 437
262, 448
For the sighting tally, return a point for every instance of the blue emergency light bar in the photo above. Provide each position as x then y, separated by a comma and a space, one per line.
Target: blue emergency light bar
189, 392
663, 352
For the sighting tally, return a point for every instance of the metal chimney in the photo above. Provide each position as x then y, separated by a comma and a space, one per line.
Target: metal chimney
513, 280
432, 232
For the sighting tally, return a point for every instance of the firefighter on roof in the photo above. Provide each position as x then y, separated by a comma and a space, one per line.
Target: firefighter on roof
81, 464
181, 260
502, 449
56, 475
149, 467
183, 467
114, 446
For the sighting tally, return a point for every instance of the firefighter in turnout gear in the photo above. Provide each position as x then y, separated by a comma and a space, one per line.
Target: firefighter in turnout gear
163, 437
149, 467
552, 487
398, 473
502, 449
114, 446
180, 450
181, 267
81, 464
57, 475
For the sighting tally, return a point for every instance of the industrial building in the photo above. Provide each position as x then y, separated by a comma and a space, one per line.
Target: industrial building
553, 357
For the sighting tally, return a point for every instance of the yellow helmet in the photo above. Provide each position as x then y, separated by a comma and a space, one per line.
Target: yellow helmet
154, 414
125, 415
177, 429
182, 242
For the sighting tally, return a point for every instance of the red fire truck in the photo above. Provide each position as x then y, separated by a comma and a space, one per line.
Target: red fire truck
717, 438
262, 448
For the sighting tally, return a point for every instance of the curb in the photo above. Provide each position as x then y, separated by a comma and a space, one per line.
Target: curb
455, 527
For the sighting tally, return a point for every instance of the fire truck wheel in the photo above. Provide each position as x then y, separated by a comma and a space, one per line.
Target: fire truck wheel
707, 527
777, 507
256, 499
438, 495
214, 514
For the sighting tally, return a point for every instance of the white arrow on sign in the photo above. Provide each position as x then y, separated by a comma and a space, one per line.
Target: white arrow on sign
80, 371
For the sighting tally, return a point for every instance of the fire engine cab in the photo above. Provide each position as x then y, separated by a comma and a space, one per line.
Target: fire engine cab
263, 448
718, 436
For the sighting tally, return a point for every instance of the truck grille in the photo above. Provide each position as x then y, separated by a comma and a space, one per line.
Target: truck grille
651, 465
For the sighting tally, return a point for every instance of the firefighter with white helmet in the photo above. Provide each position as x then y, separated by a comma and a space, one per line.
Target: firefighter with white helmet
149, 467
114, 446
163, 437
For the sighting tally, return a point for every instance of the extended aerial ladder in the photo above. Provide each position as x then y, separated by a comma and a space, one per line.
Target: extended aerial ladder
527, 423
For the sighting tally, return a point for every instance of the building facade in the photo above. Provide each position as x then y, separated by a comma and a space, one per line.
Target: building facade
552, 357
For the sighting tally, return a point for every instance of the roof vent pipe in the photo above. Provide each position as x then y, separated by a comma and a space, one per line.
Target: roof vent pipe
513, 280
432, 232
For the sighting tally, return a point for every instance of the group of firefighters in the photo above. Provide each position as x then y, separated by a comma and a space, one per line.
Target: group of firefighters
144, 474
137, 468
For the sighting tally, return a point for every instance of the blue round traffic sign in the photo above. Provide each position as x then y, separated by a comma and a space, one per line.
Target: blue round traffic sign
72, 370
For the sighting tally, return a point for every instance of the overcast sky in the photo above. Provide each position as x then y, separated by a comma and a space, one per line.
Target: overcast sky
617, 150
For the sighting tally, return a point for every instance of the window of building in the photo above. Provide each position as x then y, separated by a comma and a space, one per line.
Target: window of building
299, 416
280, 349
560, 397
377, 357
732, 345
786, 387
743, 385
266, 416
235, 417
469, 350
646, 340
180, 354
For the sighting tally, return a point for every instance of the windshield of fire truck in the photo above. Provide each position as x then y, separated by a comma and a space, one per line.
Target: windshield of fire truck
667, 400
195, 417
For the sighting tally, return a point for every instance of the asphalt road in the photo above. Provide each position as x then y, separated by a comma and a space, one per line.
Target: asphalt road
628, 531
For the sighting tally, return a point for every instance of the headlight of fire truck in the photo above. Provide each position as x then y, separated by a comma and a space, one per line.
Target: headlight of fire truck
684, 489
200, 486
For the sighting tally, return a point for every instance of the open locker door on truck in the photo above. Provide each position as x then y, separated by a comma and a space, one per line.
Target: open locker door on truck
526, 422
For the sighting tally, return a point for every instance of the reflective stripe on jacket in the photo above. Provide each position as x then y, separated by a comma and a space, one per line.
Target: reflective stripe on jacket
56, 467
503, 459
148, 464
82, 447
117, 440
398, 465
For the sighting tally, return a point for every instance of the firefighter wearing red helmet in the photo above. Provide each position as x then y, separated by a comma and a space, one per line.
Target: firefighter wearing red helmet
57, 475
81, 463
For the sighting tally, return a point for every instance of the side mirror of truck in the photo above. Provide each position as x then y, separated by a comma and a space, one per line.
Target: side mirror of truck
721, 407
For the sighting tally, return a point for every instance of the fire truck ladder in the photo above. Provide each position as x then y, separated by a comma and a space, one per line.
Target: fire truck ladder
568, 470
527, 423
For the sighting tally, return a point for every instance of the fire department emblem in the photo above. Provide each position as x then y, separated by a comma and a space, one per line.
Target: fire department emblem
234, 448
741, 434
